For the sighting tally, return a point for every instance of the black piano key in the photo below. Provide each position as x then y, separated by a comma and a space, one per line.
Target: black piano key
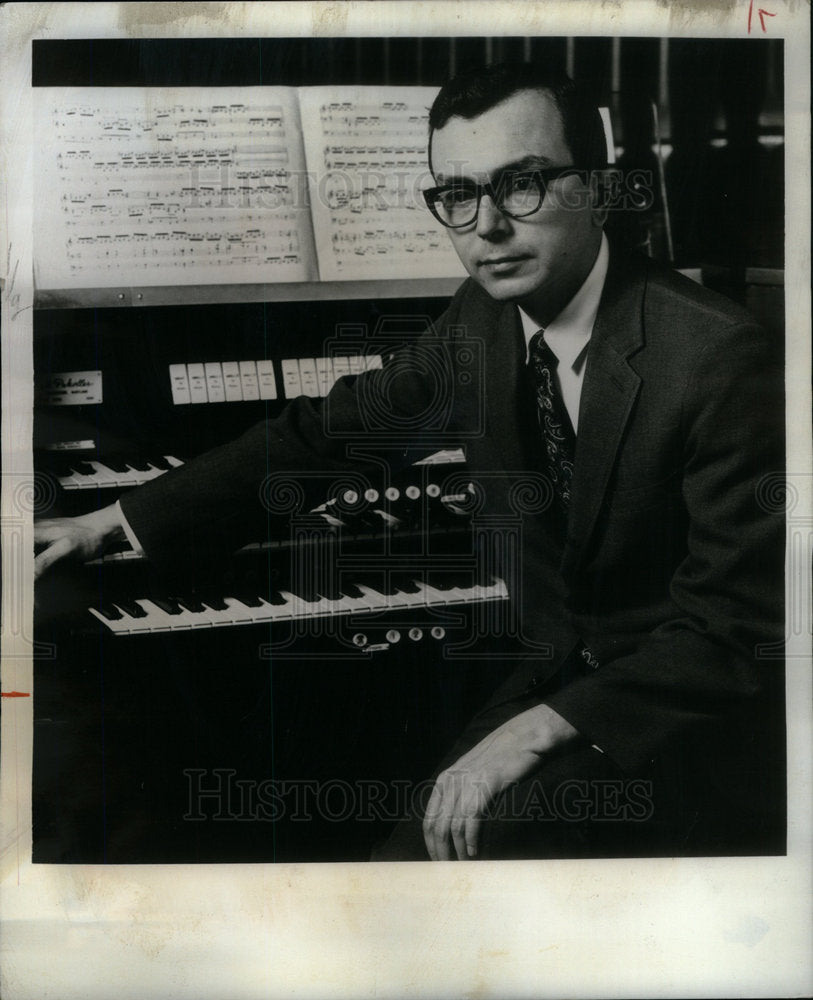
251, 600
159, 462
275, 597
138, 465
116, 465
189, 603
167, 604
330, 590
373, 581
84, 469
213, 601
384, 587
405, 583
308, 594
442, 579
132, 609
110, 612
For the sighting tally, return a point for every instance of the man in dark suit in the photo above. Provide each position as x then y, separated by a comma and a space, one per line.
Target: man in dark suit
651, 574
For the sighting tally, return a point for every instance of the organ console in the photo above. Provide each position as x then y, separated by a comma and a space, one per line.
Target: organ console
323, 652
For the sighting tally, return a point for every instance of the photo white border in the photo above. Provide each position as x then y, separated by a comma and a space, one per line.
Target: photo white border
621, 928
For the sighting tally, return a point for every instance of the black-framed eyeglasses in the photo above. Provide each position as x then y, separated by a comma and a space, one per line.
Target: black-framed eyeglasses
516, 194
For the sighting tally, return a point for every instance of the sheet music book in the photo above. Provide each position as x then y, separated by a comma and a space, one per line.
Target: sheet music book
226, 185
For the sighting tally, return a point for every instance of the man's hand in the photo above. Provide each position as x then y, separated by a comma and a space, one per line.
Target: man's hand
463, 792
83, 538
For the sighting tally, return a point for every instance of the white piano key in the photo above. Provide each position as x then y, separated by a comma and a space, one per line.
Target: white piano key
103, 475
77, 481
117, 626
235, 613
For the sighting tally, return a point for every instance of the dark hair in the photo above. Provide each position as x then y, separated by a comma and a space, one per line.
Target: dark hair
475, 91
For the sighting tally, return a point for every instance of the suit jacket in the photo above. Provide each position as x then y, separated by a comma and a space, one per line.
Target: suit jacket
670, 569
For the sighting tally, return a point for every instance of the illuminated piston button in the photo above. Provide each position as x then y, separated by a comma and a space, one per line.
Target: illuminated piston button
350, 497
433, 490
371, 495
392, 493
412, 492
438, 632
416, 634
359, 639
393, 635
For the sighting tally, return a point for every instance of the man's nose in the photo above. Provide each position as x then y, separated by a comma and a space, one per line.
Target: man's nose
490, 220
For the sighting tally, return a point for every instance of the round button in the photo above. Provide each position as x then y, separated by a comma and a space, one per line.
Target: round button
438, 632
415, 634
433, 490
371, 495
350, 497
391, 493
393, 635
412, 492
360, 639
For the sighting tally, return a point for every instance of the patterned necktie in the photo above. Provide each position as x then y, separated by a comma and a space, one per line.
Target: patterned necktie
554, 422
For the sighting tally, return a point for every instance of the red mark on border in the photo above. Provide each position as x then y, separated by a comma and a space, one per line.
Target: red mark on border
14, 694
762, 15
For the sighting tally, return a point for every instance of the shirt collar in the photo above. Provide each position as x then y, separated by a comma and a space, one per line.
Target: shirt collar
568, 334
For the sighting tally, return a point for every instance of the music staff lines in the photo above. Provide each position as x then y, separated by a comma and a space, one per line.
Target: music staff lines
147, 186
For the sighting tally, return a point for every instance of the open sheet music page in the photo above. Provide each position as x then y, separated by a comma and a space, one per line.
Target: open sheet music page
367, 160
146, 186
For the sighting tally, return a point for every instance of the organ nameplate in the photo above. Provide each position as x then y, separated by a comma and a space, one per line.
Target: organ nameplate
70, 389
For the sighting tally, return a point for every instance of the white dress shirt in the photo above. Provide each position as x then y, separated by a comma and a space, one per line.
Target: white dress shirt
568, 335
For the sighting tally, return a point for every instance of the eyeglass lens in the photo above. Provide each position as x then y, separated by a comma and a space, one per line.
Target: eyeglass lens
516, 195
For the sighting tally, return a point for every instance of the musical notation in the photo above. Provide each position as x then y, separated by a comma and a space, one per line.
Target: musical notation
234, 185
369, 150
142, 187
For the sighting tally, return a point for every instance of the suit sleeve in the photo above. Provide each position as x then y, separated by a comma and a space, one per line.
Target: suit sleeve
712, 661
230, 495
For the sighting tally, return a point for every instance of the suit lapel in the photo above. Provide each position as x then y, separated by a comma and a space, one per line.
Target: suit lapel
608, 394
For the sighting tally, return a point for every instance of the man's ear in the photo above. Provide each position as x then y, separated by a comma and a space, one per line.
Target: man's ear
604, 187
599, 215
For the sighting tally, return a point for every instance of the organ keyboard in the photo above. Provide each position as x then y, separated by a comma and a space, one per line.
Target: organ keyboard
382, 568
173, 613
83, 474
